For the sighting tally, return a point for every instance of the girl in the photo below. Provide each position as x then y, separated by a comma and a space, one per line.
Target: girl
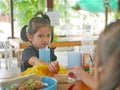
39, 35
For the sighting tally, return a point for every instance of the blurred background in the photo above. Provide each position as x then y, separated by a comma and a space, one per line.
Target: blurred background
76, 17
72, 20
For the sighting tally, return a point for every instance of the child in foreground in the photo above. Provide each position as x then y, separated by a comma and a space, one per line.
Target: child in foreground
107, 61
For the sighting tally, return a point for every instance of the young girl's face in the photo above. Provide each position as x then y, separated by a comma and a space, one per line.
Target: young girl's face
41, 38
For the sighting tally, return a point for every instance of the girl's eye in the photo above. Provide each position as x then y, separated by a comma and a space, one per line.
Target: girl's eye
49, 35
40, 36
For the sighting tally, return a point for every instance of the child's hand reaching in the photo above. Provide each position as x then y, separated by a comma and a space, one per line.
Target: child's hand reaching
54, 67
75, 72
78, 73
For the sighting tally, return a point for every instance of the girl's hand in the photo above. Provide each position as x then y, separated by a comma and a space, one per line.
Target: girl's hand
80, 74
54, 67
75, 72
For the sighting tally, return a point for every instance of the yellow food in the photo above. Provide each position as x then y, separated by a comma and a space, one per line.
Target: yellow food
38, 69
62, 70
42, 70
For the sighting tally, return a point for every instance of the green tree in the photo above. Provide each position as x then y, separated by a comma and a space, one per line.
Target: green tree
24, 10
4, 6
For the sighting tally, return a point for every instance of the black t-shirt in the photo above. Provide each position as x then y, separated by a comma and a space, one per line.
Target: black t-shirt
29, 52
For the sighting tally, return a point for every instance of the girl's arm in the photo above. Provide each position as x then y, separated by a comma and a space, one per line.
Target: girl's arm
34, 60
80, 74
53, 66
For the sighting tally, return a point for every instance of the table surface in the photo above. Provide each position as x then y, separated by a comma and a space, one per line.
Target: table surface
77, 85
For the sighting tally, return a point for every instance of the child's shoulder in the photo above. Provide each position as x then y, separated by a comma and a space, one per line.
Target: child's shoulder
29, 48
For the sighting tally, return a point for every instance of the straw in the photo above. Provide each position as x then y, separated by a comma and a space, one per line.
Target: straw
91, 59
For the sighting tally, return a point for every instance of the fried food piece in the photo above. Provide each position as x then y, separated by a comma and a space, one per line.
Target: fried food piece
38, 84
23, 87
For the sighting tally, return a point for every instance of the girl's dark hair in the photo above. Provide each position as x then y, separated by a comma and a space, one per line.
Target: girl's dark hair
43, 15
23, 33
39, 20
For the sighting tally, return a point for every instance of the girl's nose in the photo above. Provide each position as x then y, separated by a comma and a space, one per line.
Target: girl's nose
46, 39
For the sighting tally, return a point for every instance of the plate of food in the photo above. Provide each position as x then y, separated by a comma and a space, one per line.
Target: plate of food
30, 82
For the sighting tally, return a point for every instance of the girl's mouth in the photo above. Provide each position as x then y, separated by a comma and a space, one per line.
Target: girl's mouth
45, 44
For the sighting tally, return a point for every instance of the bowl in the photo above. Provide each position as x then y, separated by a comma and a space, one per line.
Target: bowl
51, 82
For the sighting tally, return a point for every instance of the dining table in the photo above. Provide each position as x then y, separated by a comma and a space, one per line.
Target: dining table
76, 85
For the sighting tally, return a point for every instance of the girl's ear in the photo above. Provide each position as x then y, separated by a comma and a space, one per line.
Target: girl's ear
29, 37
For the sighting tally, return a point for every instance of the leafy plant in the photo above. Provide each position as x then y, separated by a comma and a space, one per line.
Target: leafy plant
24, 10
116, 15
4, 7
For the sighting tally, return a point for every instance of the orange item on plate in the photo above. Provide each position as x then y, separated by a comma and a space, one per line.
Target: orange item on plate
79, 85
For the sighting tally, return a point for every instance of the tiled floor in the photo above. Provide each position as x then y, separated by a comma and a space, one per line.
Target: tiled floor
11, 71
